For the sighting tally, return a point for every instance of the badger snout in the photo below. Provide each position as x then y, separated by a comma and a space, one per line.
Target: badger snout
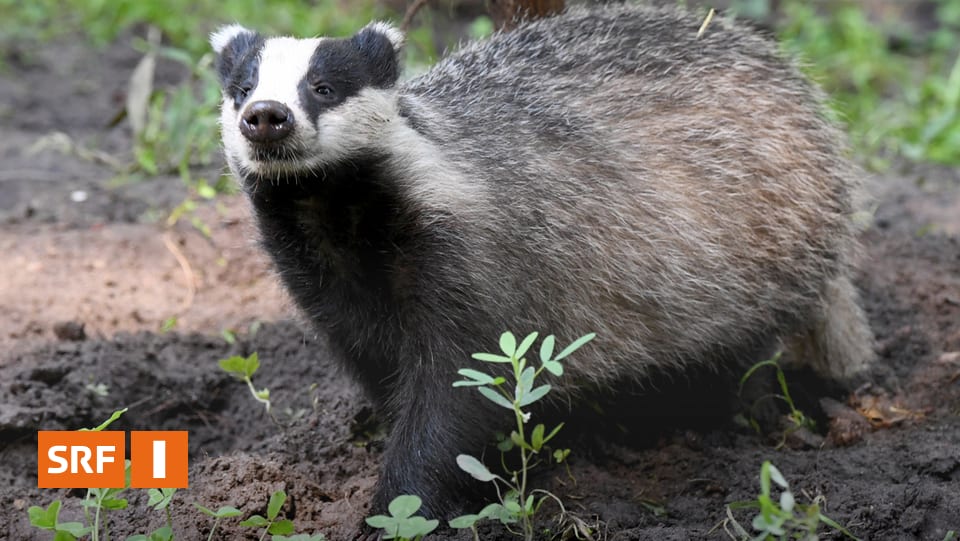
266, 121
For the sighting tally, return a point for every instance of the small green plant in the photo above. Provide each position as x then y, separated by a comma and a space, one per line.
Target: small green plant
782, 518
243, 368
163, 533
49, 519
224, 512
797, 419
518, 503
270, 524
99, 499
403, 524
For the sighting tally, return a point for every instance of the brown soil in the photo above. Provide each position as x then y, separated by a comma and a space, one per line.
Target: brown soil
108, 265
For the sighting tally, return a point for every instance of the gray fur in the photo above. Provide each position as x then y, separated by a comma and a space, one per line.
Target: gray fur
604, 170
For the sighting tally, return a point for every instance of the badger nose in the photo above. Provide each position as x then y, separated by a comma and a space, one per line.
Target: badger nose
266, 122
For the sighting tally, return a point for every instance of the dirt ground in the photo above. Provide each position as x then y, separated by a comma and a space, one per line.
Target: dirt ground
90, 274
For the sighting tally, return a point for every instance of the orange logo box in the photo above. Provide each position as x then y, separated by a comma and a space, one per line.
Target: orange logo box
158, 459
89, 459
71, 459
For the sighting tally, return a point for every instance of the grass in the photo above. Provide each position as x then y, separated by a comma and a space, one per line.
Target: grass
896, 90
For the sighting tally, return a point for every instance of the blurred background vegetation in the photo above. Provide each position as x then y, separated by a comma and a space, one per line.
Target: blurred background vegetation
891, 67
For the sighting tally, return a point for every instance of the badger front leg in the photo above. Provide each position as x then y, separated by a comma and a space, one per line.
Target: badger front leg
433, 422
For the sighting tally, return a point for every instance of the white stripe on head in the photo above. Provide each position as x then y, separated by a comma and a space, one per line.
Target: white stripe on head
284, 62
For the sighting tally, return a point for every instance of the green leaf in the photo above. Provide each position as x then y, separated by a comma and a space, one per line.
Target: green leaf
160, 499
415, 527
513, 507
787, 501
554, 368
204, 510
534, 395
465, 521
517, 439
44, 518
508, 344
490, 358
560, 455
255, 521
552, 433
281, 527
495, 397
381, 521
163, 533
227, 511
525, 383
405, 505
536, 438
475, 468
154, 497
276, 502
239, 366
113, 417
73, 528
206, 191
477, 377
546, 349
577, 344
777, 477
525, 345
114, 503
64, 536
229, 336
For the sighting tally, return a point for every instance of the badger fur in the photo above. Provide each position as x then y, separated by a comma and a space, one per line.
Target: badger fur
606, 170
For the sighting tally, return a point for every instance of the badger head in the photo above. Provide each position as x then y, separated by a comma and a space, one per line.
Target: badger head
297, 105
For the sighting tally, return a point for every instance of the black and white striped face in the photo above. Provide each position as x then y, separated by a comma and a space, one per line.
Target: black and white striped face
295, 105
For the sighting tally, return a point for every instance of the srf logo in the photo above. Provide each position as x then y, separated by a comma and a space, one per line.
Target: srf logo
75, 459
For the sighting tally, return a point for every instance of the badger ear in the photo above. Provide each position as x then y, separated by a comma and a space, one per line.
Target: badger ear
232, 43
224, 35
380, 43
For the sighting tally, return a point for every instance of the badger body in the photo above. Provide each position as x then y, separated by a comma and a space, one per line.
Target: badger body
605, 170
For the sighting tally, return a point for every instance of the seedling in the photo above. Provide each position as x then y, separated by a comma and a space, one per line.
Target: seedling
270, 524
781, 519
163, 533
243, 368
224, 512
795, 417
402, 524
49, 519
517, 502
100, 499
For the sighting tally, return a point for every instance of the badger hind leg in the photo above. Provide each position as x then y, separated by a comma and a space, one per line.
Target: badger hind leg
837, 343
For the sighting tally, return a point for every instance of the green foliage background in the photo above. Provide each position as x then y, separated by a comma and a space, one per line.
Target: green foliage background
897, 90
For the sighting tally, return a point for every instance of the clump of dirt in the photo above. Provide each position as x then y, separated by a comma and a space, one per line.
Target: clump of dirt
88, 285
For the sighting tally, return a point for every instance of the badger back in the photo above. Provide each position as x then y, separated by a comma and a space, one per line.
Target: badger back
641, 179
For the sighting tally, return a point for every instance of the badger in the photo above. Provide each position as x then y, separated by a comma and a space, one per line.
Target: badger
611, 170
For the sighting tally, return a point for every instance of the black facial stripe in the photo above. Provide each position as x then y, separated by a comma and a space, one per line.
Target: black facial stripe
347, 66
238, 65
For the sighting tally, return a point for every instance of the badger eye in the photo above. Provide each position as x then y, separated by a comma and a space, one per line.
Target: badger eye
244, 90
323, 89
